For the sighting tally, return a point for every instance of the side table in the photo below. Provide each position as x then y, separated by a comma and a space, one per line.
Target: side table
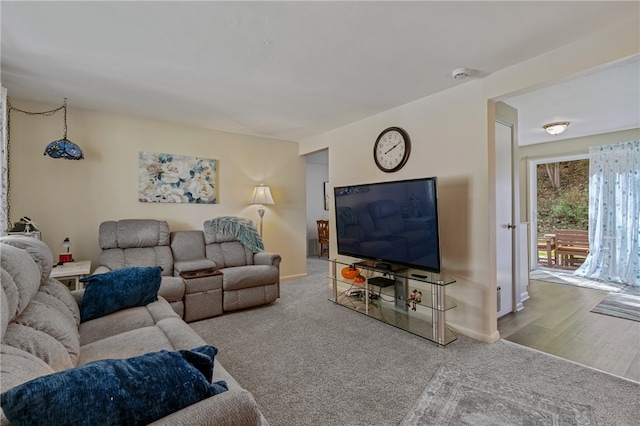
72, 270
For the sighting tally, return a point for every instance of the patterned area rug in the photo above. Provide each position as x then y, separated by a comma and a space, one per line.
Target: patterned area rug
625, 304
567, 278
459, 398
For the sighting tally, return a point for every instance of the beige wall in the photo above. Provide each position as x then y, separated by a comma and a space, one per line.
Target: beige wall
448, 140
71, 198
452, 138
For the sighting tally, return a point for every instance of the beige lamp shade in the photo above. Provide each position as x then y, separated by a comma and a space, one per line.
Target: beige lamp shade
262, 195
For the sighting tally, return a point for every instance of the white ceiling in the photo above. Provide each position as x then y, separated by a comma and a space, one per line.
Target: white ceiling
292, 70
596, 102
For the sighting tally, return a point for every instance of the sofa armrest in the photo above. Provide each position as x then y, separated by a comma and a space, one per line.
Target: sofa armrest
172, 288
101, 269
267, 258
77, 295
192, 265
231, 408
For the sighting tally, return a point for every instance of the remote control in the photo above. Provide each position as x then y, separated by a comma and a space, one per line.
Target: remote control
419, 276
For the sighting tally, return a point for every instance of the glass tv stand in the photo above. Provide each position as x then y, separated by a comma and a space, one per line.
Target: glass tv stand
411, 300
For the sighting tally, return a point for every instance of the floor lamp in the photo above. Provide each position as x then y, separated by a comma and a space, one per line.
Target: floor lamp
261, 196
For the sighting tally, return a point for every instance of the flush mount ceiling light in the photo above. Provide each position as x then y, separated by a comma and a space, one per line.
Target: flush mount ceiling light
556, 128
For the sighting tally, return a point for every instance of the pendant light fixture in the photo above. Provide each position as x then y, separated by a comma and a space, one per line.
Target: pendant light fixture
62, 148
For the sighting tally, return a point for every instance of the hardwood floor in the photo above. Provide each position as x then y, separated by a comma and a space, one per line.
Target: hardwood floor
556, 319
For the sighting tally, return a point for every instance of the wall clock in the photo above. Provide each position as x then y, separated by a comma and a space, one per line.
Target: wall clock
391, 150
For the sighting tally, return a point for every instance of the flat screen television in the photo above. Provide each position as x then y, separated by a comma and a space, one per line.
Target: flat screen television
390, 223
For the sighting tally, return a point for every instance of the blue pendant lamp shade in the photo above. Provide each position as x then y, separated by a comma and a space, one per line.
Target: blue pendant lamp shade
64, 148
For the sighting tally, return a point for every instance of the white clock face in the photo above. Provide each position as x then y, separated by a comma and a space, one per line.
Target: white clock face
391, 150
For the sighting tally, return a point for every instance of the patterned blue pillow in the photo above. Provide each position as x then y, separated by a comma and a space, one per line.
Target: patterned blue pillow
119, 289
134, 391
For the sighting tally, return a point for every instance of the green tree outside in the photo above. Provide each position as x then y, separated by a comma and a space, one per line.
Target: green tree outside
567, 206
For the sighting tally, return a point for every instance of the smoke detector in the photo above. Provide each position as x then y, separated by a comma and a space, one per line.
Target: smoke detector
460, 73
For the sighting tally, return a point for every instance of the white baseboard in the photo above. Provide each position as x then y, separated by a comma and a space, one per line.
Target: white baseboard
474, 334
293, 277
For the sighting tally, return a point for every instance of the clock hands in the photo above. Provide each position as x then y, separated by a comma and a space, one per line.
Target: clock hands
392, 147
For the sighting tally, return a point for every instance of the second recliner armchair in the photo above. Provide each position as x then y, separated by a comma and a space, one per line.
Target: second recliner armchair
250, 276
141, 242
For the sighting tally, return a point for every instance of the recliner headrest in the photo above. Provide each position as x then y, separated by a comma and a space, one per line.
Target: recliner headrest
129, 233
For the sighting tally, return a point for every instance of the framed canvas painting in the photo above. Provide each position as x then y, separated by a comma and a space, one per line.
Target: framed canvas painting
170, 178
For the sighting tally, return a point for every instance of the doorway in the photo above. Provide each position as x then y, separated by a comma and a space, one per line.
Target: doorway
543, 223
317, 176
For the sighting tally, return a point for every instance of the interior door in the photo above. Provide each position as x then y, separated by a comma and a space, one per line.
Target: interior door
504, 219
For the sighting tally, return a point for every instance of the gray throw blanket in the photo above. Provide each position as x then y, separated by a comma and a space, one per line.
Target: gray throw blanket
244, 230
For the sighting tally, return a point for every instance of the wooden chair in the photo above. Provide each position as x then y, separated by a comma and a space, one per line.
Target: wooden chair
569, 244
323, 236
546, 244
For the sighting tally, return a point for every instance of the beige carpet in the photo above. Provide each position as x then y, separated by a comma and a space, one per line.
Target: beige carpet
308, 361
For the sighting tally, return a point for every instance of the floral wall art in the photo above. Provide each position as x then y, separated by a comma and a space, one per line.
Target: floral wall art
169, 178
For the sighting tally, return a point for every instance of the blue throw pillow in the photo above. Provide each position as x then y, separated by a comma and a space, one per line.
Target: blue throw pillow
134, 391
119, 289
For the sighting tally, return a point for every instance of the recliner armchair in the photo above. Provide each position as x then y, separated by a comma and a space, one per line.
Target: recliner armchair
141, 242
250, 277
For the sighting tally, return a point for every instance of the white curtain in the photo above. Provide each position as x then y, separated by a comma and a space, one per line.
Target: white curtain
4, 164
614, 214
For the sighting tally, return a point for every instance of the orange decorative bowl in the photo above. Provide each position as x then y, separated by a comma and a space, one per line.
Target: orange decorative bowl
350, 272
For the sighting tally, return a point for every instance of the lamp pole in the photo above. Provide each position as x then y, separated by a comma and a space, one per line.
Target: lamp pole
261, 214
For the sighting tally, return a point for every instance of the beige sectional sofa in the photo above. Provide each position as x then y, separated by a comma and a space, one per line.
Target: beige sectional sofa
42, 334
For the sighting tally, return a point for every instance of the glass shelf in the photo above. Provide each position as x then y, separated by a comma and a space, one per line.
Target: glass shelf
390, 301
419, 322
424, 276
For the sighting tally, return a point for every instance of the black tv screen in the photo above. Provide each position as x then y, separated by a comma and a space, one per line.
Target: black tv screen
391, 223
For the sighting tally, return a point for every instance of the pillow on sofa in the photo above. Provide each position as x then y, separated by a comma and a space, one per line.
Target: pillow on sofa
134, 391
119, 289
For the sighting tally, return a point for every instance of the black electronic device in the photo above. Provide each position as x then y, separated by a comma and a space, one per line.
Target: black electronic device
381, 281
390, 223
